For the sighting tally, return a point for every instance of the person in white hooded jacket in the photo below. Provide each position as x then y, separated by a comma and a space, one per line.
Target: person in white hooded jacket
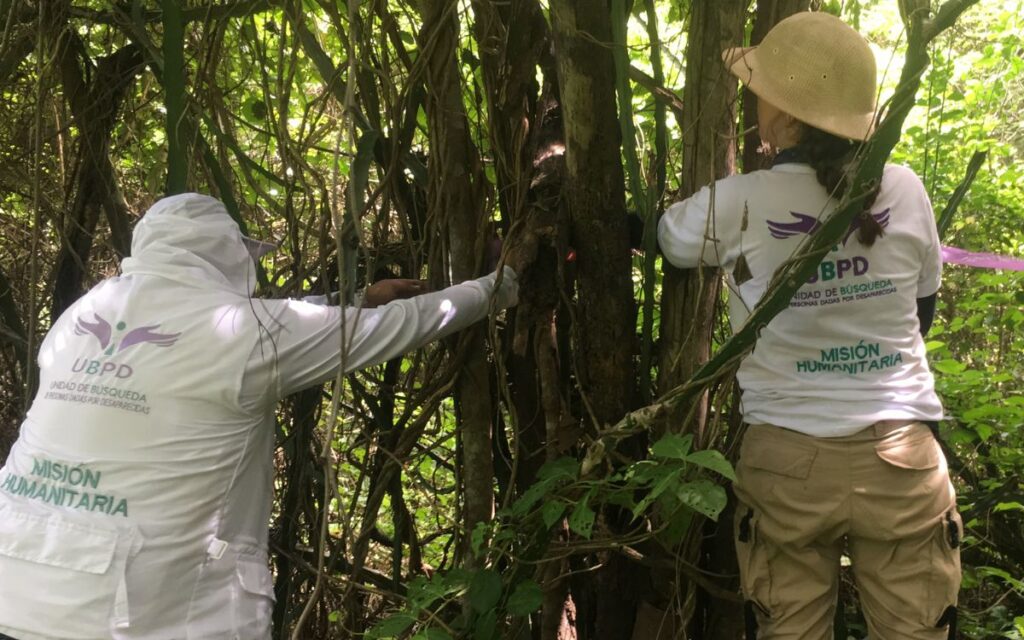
135, 503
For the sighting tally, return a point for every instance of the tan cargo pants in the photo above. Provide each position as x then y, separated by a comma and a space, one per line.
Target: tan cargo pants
883, 495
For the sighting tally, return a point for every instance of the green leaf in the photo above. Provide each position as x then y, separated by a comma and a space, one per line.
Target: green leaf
484, 590
1009, 506
530, 497
564, 467
714, 460
391, 626
983, 430
526, 598
673, 446
704, 497
478, 537
422, 592
582, 518
948, 366
671, 476
486, 626
552, 513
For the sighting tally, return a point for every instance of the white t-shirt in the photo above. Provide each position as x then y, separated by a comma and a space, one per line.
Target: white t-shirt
848, 351
136, 500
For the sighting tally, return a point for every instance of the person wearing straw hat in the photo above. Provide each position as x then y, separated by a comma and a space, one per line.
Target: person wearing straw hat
837, 458
135, 503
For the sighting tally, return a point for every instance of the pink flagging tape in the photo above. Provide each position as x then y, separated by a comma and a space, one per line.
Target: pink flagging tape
953, 255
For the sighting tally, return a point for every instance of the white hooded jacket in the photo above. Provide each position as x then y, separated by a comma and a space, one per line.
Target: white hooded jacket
136, 501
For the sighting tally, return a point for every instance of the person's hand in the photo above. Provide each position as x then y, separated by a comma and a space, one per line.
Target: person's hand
521, 252
384, 291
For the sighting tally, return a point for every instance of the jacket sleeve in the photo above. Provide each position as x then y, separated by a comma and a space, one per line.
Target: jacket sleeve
306, 344
701, 230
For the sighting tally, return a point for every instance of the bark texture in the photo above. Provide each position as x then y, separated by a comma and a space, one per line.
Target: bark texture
604, 314
709, 152
689, 296
455, 195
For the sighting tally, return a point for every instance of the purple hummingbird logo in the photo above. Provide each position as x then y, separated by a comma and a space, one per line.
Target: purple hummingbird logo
103, 332
806, 225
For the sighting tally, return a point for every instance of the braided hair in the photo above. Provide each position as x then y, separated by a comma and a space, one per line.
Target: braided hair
831, 157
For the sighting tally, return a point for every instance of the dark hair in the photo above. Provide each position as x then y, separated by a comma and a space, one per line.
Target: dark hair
831, 156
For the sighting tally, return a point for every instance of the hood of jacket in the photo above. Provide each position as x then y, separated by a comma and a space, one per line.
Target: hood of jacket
191, 239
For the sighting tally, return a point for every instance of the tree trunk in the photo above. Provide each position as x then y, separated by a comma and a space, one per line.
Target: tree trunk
455, 196
605, 315
709, 151
689, 296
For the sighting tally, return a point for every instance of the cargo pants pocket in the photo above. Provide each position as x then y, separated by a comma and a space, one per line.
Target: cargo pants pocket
915, 449
752, 557
944, 574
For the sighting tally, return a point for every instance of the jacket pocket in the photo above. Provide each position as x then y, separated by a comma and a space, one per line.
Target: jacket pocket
255, 604
234, 596
72, 560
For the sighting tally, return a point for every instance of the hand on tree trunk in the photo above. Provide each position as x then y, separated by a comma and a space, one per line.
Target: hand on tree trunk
383, 292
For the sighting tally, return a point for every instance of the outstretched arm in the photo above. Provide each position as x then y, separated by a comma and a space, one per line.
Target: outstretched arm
307, 338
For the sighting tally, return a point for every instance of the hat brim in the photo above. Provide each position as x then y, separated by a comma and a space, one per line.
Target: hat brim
743, 63
257, 248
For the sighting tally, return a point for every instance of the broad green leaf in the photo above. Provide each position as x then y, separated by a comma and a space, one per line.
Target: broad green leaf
704, 497
673, 446
948, 366
478, 537
552, 512
1009, 506
486, 626
423, 592
671, 477
581, 520
530, 497
484, 590
564, 467
526, 598
391, 626
714, 460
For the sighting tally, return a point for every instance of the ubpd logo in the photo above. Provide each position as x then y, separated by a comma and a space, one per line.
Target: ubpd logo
112, 341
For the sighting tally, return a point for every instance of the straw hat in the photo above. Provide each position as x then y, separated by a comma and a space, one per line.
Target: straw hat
815, 68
